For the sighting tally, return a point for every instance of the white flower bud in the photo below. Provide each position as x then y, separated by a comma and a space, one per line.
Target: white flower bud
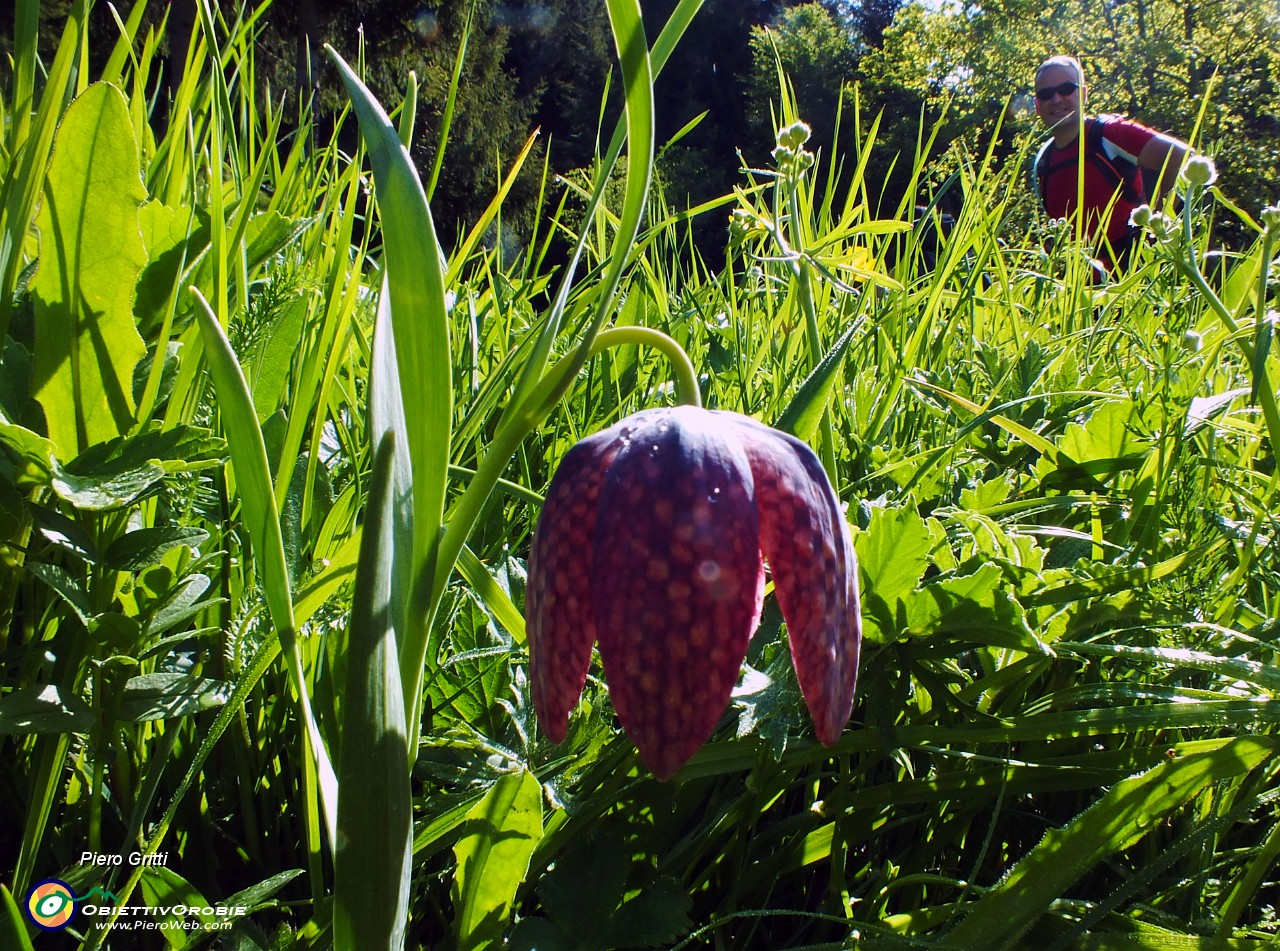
1140, 217
1200, 172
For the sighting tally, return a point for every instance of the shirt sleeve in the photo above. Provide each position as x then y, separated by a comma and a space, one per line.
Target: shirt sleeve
1124, 138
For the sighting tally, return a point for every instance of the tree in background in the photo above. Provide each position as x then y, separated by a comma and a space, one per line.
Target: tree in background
494, 113
819, 56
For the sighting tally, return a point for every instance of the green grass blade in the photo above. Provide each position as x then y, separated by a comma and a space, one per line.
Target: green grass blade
415, 285
372, 863
637, 84
248, 681
26, 42
46, 787
532, 405
491, 594
670, 35
807, 407
450, 102
13, 931
1120, 819
262, 521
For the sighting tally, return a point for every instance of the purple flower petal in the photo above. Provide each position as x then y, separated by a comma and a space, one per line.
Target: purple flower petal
815, 575
653, 538
678, 580
558, 618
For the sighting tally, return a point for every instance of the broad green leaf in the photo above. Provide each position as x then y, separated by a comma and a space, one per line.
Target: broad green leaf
65, 533
43, 708
118, 633
181, 603
386, 415
373, 858
414, 283
167, 696
493, 857
32, 141
1120, 819
1105, 445
145, 547
34, 456
268, 366
91, 253
598, 898
100, 493
166, 889
66, 586
175, 238
113, 474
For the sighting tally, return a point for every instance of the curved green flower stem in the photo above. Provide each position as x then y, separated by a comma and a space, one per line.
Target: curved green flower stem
1264, 391
542, 398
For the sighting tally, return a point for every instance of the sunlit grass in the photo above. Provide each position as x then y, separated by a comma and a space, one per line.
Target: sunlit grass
1063, 497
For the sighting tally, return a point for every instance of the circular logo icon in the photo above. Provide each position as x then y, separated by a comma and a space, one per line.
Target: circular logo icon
51, 904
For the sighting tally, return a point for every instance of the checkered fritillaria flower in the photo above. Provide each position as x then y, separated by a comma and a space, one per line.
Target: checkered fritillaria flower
652, 540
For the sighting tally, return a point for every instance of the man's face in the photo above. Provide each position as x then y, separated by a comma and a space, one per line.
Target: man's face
1058, 107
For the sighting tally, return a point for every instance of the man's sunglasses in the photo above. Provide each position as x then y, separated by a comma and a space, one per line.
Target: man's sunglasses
1063, 89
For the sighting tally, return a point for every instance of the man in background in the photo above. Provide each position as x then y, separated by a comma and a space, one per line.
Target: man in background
1126, 163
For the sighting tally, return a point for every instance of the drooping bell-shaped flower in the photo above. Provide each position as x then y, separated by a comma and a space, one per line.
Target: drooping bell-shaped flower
652, 540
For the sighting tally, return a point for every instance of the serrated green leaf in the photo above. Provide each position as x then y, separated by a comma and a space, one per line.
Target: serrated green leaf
974, 606
91, 252
653, 918
893, 552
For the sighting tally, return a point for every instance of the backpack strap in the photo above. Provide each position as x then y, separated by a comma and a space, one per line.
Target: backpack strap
1118, 172
1040, 169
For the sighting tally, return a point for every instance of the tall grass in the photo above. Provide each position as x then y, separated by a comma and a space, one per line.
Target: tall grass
263, 617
